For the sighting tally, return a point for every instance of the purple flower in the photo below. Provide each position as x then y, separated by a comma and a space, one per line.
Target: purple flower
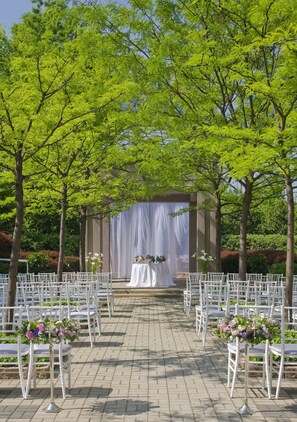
32, 334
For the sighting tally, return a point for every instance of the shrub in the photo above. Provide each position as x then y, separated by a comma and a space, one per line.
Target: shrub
230, 260
257, 241
71, 263
280, 268
38, 262
47, 261
5, 245
257, 263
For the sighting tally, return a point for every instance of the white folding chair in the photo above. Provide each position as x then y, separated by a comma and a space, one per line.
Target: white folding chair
282, 355
83, 305
40, 353
103, 289
236, 349
213, 306
192, 291
12, 350
215, 276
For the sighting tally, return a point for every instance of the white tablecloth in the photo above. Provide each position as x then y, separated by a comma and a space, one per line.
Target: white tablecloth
150, 275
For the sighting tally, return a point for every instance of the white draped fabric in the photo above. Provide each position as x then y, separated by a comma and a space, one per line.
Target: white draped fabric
149, 229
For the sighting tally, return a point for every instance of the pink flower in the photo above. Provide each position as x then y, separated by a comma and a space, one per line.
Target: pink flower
41, 327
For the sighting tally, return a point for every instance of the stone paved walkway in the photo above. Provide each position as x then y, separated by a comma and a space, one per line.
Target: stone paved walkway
148, 366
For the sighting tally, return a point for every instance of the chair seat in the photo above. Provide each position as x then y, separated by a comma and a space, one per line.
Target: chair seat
44, 348
83, 314
256, 350
12, 349
216, 314
290, 349
210, 307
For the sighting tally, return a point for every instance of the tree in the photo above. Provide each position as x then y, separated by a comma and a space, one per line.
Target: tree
44, 98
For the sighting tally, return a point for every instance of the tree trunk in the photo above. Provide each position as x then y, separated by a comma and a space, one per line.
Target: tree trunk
17, 232
82, 240
247, 199
290, 242
62, 235
218, 228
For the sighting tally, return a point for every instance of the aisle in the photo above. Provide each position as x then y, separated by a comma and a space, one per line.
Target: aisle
147, 366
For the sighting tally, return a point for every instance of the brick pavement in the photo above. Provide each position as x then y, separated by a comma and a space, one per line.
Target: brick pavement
148, 366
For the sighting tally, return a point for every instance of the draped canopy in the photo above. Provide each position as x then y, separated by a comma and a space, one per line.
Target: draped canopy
150, 229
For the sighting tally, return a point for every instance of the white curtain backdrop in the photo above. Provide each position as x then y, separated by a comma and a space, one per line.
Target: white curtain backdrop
148, 229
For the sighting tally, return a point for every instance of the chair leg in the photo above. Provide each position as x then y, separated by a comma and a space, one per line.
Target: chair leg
112, 304
98, 321
61, 363
30, 371
91, 331
69, 371
280, 375
188, 306
204, 324
21, 376
108, 306
235, 373
268, 370
229, 369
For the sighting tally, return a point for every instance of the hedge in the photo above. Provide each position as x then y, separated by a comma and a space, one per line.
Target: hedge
258, 261
257, 241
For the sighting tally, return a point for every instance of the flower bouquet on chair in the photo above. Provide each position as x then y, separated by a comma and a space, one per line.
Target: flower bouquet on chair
252, 329
49, 332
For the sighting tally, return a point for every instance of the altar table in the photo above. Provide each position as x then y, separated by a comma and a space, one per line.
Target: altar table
150, 275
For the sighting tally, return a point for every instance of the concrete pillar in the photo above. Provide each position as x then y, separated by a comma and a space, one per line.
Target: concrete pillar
205, 233
98, 240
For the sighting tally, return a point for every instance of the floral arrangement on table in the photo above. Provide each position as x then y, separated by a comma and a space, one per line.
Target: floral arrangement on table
94, 261
204, 260
252, 329
141, 259
49, 330
160, 258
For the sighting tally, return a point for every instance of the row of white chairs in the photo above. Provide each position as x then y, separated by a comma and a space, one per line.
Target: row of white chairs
218, 299
37, 289
260, 286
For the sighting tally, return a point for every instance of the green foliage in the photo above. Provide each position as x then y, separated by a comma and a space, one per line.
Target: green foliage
279, 268
270, 217
230, 263
71, 264
257, 241
38, 262
4, 267
257, 263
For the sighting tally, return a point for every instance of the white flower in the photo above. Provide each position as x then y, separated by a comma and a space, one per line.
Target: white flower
95, 260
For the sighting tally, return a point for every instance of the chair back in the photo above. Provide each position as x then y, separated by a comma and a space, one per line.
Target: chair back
288, 325
215, 276
213, 294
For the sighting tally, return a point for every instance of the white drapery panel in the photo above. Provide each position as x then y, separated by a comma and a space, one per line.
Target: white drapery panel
149, 229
